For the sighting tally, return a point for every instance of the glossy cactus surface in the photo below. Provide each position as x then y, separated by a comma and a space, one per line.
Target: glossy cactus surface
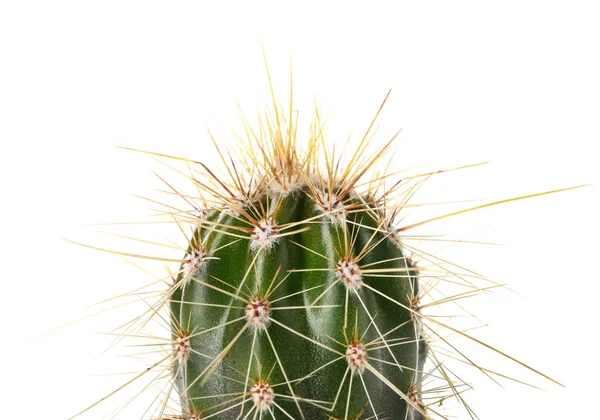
315, 305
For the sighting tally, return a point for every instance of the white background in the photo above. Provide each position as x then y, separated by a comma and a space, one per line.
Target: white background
513, 82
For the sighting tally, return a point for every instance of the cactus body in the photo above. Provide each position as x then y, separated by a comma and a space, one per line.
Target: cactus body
297, 296
316, 317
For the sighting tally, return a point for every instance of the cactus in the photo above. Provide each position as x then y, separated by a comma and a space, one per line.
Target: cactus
298, 295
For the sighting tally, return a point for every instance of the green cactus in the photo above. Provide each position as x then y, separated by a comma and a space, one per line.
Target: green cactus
298, 295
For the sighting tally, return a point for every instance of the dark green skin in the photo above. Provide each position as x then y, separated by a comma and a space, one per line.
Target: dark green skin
299, 356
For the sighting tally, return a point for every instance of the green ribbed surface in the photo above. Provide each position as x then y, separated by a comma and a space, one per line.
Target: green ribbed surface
298, 356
